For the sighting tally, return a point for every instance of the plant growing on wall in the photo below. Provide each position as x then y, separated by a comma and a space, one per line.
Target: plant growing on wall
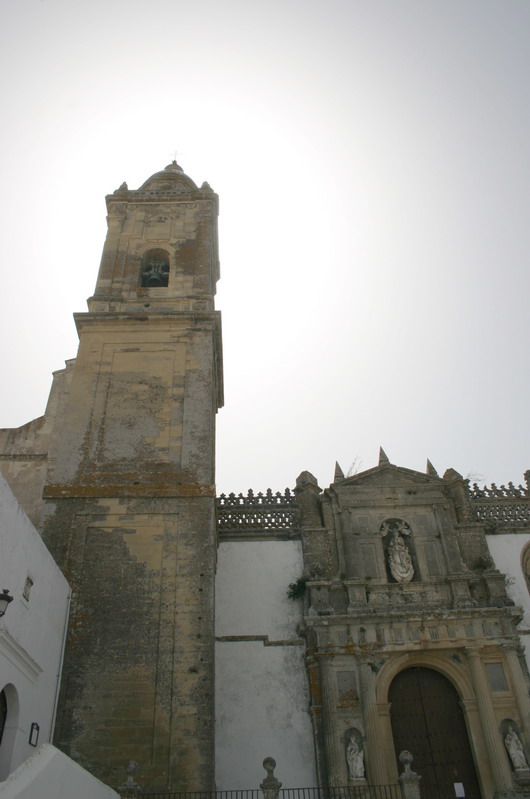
297, 590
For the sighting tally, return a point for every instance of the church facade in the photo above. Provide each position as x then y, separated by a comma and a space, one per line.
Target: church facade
352, 623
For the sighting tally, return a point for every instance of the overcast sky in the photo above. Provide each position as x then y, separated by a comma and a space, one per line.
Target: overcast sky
372, 160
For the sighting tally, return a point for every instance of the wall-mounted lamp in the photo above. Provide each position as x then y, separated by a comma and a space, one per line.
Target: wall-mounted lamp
5, 599
34, 734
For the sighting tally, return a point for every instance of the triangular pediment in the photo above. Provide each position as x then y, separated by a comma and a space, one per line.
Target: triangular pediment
388, 474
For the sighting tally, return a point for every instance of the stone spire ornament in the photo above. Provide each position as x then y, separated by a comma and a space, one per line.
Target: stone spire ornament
430, 469
383, 458
339, 474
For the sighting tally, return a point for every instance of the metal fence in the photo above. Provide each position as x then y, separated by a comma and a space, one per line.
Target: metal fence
348, 792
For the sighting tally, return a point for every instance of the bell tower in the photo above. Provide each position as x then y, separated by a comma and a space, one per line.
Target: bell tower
130, 495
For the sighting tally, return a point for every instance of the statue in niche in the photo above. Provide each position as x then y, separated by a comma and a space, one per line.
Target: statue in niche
399, 560
514, 748
354, 758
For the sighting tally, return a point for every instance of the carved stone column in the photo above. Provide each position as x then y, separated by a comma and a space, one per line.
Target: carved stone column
460, 494
520, 688
315, 687
448, 540
334, 755
375, 761
497, 756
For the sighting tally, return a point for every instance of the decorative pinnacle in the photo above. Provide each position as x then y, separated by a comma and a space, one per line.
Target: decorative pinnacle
383, 459
430, 469
339, 474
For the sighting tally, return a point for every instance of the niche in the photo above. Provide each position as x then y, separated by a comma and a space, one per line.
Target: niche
154, 271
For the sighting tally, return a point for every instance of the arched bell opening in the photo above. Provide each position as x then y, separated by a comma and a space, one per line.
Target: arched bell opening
427, 719
154, 271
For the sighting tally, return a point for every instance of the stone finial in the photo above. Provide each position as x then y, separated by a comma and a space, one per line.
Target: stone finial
459, 489
409, 780
121, 188
307, 492
270, 785
130, 789
406, 758
430, 469
383, 458
307, 480
339, 474
452, 474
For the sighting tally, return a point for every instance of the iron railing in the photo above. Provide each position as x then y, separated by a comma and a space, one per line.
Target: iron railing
347, 792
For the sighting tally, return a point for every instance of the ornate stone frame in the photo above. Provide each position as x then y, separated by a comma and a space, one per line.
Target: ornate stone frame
458, 676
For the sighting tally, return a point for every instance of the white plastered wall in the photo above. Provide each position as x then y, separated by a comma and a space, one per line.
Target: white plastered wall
262, 696
49, 774
31, 632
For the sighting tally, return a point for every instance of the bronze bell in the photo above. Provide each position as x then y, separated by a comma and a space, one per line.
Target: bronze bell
154, 279
155, 274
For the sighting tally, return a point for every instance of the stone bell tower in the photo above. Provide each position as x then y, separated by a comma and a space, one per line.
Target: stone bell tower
130, 498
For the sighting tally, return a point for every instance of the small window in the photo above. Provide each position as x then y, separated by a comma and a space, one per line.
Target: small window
155, 269
28, 585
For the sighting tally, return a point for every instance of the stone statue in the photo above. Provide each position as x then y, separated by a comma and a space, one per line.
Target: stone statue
514, 746
399, 560
354, 759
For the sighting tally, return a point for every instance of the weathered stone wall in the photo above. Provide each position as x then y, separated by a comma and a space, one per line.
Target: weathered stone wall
130, 499
24, 450
138, 674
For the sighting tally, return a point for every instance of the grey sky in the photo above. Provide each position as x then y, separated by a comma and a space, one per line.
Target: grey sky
372, 160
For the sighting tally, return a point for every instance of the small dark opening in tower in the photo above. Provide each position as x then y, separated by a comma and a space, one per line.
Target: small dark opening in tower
155, 269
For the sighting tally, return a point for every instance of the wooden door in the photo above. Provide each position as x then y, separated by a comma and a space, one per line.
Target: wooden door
427, 720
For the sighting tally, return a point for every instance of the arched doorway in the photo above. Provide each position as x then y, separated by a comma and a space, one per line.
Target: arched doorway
427, 720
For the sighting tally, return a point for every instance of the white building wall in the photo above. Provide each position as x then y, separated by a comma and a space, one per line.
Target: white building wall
506, 551
262, 696
31, 632
49, 774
